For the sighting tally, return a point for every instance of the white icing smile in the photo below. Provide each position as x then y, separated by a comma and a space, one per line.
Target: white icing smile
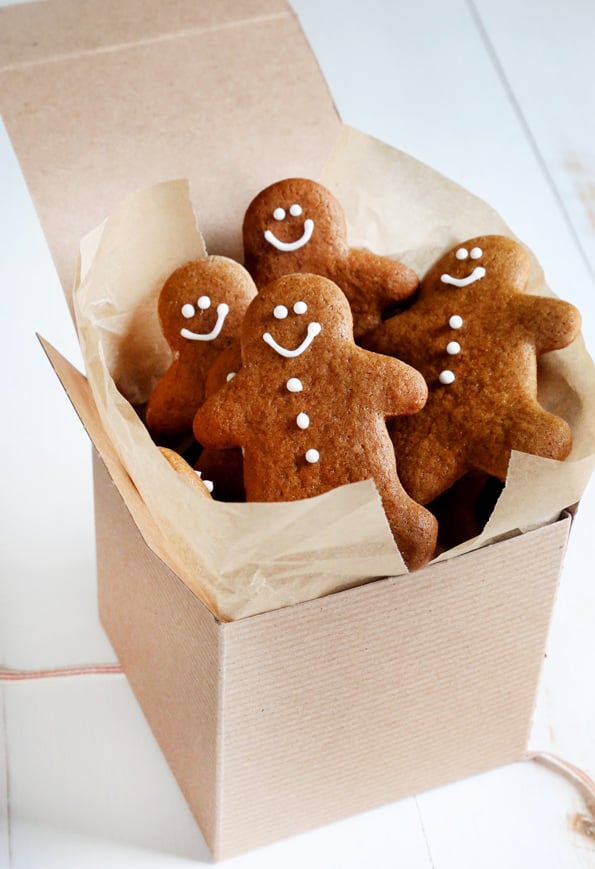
314, 329
291, 245
476, 275
222, 312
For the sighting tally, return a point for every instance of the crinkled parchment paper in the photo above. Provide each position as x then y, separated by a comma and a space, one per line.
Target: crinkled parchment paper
242, 559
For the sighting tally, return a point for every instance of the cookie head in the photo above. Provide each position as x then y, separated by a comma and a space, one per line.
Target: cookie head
203, 302
294, 224
295, 317
486, 264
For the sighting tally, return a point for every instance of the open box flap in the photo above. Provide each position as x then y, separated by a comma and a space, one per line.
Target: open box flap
116, 98
78, 390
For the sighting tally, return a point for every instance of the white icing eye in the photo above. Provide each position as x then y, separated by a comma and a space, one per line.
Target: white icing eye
476, 252
462, 253
230, 376
300, 308
280, 312
188, 310
203, 303
455, 322
279, 214
295, 210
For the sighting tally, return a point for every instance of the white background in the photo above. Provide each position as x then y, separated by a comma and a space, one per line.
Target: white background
500, 96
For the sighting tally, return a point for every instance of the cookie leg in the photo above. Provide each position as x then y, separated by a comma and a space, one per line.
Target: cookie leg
426, 466
225, 469
414, 528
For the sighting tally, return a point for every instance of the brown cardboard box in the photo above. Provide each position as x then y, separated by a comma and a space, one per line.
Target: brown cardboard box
291, 718
287, 720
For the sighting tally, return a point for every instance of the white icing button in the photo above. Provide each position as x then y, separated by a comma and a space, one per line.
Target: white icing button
208, 484
455, 322
295, 210
312, 456
462, 253
280, 312
300, 308
279, 214
230, 376
294, 384
453, 347
188, 310
303, 420
203, 303
446, 377
476, 252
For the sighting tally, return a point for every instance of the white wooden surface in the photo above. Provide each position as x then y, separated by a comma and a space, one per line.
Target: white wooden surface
497, 94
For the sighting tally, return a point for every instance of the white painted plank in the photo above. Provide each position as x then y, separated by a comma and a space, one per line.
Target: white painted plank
47, 582
509, 818
40, 846
84, 767
546, 61
5, 826
545, 51
419, 76
82, 758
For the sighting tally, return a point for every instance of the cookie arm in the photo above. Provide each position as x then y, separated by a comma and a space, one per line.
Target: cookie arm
220, 421
390, 337
372, 284
389, 280
399, 389
552, 323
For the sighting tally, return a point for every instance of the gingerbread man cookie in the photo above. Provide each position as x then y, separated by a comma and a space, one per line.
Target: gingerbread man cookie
308, 407
297, 225
201, 307
181, 466
223, 467
475, 335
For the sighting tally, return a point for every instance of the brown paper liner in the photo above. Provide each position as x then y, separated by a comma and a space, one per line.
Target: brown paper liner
242, 559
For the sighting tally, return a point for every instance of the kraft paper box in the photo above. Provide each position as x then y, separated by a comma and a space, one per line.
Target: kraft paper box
291, 670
